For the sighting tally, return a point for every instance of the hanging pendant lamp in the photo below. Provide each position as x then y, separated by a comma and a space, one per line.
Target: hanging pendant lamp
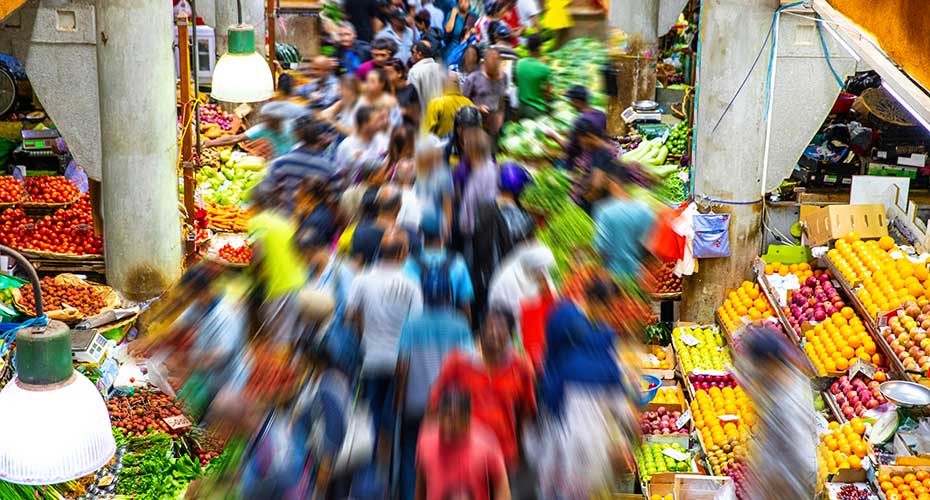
56, 425
242, 75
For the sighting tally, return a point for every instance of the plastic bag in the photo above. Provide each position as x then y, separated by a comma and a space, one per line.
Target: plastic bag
711, 235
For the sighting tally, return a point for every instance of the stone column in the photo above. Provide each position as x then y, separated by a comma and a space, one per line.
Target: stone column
138, 125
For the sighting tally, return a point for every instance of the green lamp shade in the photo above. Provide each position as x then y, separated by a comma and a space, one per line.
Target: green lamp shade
242, 75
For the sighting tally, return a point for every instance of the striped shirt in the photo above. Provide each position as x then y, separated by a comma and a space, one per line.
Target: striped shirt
424, 343
288, 171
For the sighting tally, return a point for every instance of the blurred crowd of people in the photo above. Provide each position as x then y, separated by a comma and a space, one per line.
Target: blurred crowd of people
398, 333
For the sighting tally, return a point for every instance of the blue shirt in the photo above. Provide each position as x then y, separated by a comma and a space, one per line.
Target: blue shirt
622, 226
462, 291
322, 92
425, 341
281, 141
288, 171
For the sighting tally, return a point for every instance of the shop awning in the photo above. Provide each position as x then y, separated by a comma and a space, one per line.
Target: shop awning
8, 6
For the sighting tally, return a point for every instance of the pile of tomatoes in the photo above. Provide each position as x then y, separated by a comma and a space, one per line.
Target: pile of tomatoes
236, 254
67, 230
11, 190
50, 189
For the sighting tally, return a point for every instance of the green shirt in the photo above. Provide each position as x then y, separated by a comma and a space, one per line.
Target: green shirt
532, 75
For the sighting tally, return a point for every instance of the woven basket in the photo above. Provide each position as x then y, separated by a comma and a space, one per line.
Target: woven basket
38, 209
71, 315
40, 254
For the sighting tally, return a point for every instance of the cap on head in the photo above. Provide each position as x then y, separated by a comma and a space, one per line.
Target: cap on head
578, 93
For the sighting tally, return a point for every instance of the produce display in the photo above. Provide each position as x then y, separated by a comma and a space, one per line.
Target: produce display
66, 231
674, 187
11, 190
701, 348
227, 217
814, 301
745, 304
738, 472
227, 186
15, 227
144, 413
843, 447
858, 395
56, 296
836, 342
241, 254
906, 485
907, 334
48, 189
656, 359
725, 419
704, 381
678, 139
667, 280
578, 62
653, 458
651, 153
802, 270
548, 193
567, 233
853, 492
149, 472
667, 396
662, 422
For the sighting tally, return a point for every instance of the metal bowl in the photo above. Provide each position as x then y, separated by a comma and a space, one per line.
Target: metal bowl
645, 105
905, 394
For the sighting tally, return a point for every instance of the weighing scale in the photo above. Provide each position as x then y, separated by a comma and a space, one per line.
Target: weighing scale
38, 152
642, 112
88, 346
8, 91
909, 397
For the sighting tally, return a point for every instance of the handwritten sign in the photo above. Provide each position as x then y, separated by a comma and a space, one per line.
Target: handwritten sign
689, 340
683, 419
676, 455
863, 367
177, 422
728, 418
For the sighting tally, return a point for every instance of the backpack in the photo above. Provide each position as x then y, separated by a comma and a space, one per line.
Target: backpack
436, 281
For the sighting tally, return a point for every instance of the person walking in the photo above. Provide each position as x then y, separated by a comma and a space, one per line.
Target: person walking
533, 79
488, 90
457, 457
622, 225
350, 51
382, 49
366, 148
426, 75
439, 119
499, 381
398, 31
323, 89
782, 454
438, 263
381, 300
425, 342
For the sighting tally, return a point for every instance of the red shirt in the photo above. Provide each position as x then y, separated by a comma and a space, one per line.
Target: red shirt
498, 395
533, 316
472, 464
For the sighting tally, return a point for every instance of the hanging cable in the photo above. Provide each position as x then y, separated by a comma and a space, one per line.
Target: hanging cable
826, 55
239, 10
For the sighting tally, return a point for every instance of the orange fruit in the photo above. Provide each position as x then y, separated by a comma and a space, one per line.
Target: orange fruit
769, 269
897, 481
909, 478
885, 485
922, 475
885, 243
847, 312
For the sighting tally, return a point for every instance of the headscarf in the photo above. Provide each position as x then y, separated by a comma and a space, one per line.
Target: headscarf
577, 352
513, 283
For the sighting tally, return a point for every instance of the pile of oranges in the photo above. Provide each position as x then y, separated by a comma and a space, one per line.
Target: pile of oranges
656, 359
835, 343
909, 486
707, 408
843, 448
747, 302
802, 271
886, 282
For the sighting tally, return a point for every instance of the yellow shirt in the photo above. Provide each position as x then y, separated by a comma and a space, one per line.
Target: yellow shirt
281, 267
440, 114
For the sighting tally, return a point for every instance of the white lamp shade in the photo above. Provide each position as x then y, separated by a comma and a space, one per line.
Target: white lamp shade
53, 436
242, 78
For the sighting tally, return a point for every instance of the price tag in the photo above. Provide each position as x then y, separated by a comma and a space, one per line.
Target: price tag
728, 418
684, 176
683, 419
689, 340
82, 227
652, 360
675, 454
177, 422
863, 367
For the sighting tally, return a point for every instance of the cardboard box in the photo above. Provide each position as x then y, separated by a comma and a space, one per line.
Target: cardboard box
836, 221
694, 487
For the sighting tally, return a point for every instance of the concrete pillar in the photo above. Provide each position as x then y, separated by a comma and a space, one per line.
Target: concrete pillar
138, 126
729, 159
253, 12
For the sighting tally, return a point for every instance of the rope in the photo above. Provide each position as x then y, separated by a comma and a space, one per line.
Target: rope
826, 54
8, 333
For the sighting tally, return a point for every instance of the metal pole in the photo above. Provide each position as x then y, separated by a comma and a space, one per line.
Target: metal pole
31, 274
270, 27
196, 72
187, 150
